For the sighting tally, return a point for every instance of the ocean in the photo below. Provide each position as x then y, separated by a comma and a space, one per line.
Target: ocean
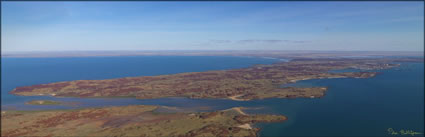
361, 107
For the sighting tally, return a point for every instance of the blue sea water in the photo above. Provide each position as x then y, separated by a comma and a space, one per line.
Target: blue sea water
357, 107
392, 99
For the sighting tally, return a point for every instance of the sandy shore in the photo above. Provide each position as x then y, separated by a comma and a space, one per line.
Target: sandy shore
239, 110
237, 99
245, 126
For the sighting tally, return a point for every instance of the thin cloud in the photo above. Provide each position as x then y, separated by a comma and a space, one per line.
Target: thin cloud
272, 41
222, 42
258, 41
402, 19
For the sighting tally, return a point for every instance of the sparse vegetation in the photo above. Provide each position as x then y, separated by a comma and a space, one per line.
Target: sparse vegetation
130, 121
257, 82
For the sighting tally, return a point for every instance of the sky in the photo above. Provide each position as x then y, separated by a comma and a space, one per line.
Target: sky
324, 26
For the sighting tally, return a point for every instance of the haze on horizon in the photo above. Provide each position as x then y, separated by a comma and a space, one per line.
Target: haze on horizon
324, 26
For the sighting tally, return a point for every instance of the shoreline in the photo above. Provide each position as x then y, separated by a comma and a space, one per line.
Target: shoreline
239, 110
255, 53
237, 99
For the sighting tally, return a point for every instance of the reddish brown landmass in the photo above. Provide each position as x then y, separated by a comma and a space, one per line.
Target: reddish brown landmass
131, 121
257, 82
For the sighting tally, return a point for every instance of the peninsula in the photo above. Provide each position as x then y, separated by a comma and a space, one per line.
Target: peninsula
257, 82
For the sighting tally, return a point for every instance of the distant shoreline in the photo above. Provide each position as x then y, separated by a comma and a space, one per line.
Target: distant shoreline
244, 53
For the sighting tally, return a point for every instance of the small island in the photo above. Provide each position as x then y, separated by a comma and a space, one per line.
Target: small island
136, 120
43, 102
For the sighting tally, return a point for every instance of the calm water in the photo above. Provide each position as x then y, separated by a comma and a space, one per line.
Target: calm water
393, 99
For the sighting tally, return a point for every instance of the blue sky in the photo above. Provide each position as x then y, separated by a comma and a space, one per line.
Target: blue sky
74, 26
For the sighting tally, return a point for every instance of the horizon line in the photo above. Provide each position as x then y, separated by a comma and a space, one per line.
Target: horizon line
2, 52
242, 53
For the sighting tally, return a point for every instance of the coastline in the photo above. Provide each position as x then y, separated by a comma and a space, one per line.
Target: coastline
254, 53
235, 98
239, 110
